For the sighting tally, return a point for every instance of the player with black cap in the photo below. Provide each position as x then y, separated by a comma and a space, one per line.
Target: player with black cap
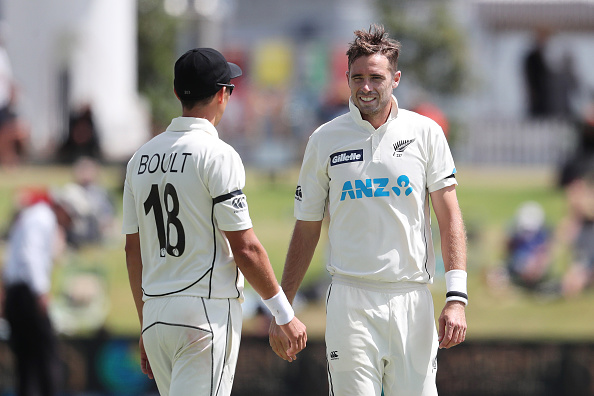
189, 241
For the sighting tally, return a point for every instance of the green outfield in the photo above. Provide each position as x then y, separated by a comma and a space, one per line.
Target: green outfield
488, 197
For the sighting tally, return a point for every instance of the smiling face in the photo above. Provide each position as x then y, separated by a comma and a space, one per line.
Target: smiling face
371, 81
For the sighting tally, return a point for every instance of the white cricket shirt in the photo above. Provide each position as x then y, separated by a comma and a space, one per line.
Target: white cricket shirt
30, 253
182, 189
376, 183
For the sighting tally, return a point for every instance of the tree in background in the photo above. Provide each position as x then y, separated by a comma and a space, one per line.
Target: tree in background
434, 48
157, 37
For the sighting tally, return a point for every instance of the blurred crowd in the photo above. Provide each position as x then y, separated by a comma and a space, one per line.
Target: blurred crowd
555, 260
552, 260
47, 222
89, 203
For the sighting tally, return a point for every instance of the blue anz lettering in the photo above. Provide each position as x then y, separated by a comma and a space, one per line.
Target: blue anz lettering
382, 183
365, 188
347, 188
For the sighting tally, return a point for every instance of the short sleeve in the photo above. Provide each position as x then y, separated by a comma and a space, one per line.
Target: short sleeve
130, 218
225, 178
441, 169
313, 186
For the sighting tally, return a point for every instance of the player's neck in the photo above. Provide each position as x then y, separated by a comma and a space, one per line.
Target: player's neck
212, 112
208, 113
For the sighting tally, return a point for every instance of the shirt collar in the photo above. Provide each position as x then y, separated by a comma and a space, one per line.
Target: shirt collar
394, 110
186, 124
356, 114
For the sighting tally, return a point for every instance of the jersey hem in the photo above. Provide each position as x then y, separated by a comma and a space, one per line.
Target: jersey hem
378, 286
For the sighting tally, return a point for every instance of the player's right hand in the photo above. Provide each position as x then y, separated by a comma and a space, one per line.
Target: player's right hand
289, 339
145, 366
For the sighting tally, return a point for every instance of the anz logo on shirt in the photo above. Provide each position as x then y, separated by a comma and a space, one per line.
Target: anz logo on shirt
379, 187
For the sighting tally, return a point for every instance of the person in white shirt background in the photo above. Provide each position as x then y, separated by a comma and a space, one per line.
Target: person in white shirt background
34, 239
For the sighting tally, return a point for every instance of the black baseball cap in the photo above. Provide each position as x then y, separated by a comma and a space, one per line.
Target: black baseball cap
199, 71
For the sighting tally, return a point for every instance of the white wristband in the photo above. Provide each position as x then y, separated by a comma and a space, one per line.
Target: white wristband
456, 286
280, 308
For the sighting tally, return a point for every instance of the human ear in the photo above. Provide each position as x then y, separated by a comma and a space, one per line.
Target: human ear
396, 79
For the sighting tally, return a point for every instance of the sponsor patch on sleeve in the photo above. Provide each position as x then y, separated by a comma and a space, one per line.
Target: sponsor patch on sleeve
298, 194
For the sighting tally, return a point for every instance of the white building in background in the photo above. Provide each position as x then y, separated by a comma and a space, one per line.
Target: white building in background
501, 32
498, 129
65, 53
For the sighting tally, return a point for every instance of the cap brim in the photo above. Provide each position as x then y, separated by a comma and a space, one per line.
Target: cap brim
235, 70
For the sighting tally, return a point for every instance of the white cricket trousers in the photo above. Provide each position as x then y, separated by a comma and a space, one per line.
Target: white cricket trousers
380, 336
192, 344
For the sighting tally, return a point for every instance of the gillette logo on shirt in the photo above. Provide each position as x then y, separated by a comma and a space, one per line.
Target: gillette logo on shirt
346, 156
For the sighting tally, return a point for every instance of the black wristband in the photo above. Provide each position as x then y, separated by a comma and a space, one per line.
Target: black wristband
456, 294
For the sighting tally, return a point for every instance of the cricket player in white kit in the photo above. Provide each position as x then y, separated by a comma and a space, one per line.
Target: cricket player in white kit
378, 167
189, 241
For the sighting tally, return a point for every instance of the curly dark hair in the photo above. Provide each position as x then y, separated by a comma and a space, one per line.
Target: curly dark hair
371, 42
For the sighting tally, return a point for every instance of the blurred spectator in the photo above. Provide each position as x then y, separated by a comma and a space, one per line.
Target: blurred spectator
583, 156
578, 232
77, 232
33, 238
335, 102
82, 139
14, 132
528, 260
538, 77
95, 203
565, 83
24, 198
527, 253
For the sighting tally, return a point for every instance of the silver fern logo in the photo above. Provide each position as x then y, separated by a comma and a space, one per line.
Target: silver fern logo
400, 146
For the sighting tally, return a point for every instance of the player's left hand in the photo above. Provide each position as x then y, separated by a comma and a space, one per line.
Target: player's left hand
452, 324
145, 366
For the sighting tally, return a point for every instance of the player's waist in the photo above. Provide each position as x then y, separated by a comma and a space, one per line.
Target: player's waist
203, 288
378, 286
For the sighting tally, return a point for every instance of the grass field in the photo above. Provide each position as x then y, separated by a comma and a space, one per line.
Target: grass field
488, 197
